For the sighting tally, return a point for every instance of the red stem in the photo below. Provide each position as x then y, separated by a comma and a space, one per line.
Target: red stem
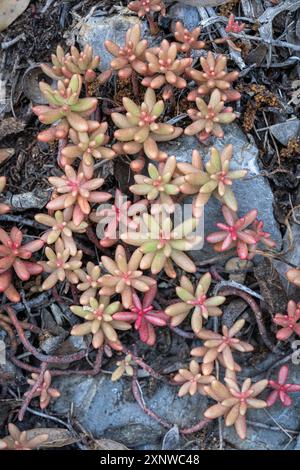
256, 310
41, 357
31, 392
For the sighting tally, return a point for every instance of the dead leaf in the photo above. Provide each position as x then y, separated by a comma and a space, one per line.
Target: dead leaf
10, 10
57, 437
171, 439
10, 126
108, 444
5, 154
296, 93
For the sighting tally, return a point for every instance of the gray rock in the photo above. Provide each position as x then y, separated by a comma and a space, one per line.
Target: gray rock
252, 192
31, 200
187, 14
108, 409
271, 439
291, 254
97, 29
284, 131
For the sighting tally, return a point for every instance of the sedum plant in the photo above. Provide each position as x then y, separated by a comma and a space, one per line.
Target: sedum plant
89, 282
224, 344
234, 402
161, 245
139, 129
4, 208
19, 440
146, 7
209, 117
208, 367
194, 299
158, 185
65, 66
14, 257
89, 145
56, 132
281, 389
214, 76
216, 179
62, 227
241, 234
65, 103
130, 58
289, 323
124, 276
192, 380
60, 265
98, 320
293, 276
187, 40
144, 316
125, 366
165, 68
234, 26
118, 217
45, 392
77, 192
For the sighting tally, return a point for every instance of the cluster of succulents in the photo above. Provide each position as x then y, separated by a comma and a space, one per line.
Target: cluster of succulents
120, 292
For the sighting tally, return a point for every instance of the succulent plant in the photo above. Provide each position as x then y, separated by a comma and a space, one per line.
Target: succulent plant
161, 245
209, 117
139, 128
234, 402
77, 191
144, 7
117, 217
65, 103
74, 62
208, 367
290, 323
261, 237
99, 321
192, 380
144, 316
293, 276
44, 391
123, 367
15, 257
60, 265
224, 344
281, 389
187, 40
90, 282
158, 185
61, 227
4, 208
235, 233
165, 67
124, 276
55, 132
234, 26
195, 299
88, 145
19, 440
214, 76
217, 179
130, 58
